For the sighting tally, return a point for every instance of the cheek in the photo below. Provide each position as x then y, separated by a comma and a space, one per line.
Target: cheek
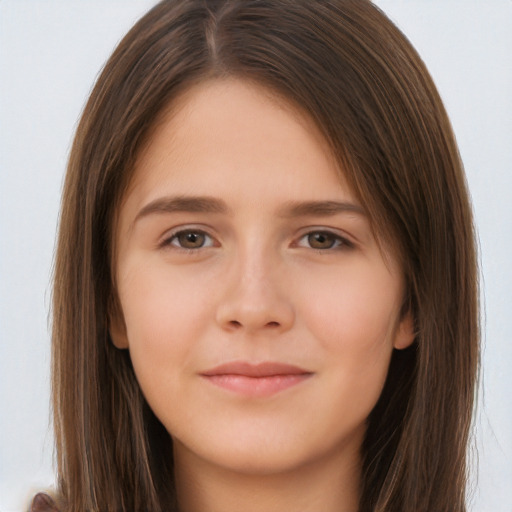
164, 316
159, 300
354, 321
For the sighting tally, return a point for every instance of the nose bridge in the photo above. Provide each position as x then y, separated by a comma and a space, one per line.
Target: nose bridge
256, 296
255, 266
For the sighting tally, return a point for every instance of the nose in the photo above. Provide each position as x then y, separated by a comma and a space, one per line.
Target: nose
255, 299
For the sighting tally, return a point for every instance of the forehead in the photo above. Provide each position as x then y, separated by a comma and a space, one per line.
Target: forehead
234, 129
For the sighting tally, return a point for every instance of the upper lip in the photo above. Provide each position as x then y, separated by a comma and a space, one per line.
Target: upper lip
266, 369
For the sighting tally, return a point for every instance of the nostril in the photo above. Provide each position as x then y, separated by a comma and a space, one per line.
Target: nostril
236, 324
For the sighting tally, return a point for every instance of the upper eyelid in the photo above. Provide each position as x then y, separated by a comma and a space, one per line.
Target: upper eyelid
170, 234
342, 235
187, 227
341, 243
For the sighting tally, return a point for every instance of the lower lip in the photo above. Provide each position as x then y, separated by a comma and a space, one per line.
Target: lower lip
258, 387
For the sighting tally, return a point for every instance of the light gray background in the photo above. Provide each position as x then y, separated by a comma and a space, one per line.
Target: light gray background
50, 54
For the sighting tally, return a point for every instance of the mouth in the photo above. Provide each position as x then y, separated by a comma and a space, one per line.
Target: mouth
256, 380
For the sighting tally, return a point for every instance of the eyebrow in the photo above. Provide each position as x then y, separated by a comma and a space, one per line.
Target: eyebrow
204, 204
319, 209
183, 204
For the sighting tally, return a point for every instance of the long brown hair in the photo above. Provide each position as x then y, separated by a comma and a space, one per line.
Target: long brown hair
345, 65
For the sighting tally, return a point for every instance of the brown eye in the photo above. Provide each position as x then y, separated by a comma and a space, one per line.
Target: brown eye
320, 240
324, 241
190, 239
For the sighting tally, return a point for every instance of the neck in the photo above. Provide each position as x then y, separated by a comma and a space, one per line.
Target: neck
326, 485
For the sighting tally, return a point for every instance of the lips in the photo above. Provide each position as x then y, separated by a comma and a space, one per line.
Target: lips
256, 380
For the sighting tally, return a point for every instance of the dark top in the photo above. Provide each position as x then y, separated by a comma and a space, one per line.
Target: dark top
43, 502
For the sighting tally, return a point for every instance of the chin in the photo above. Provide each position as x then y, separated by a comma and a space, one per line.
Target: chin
261, 452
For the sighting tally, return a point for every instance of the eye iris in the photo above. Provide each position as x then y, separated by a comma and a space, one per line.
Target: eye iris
321, 240
191, 240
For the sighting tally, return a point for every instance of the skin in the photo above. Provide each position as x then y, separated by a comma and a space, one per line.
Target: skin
258, 281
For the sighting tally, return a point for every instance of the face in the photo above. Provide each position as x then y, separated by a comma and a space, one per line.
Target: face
259, 312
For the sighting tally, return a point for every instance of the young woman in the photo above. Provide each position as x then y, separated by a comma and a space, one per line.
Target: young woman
265, 287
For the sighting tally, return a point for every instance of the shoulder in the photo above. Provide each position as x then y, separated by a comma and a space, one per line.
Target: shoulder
43, 502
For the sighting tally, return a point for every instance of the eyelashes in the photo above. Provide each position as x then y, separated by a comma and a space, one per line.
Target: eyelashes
323, 240
190, 239
193, 240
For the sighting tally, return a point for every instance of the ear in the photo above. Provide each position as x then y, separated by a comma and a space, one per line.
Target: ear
117, 326
405, 334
